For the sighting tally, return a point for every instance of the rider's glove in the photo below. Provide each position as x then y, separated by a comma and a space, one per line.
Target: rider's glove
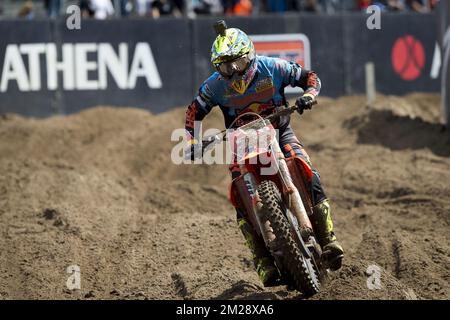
190, 153
304, 102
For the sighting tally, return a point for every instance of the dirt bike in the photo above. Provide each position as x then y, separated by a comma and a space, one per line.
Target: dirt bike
277, 203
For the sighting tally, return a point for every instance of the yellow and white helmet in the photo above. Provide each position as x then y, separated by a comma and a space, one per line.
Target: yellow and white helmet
232, 52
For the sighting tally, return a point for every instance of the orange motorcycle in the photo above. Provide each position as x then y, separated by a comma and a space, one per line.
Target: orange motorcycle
274, 192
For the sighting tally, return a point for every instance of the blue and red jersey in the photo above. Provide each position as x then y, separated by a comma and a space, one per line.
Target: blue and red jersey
264, 93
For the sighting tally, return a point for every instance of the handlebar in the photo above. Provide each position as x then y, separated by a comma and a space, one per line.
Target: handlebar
286, 111
221, 135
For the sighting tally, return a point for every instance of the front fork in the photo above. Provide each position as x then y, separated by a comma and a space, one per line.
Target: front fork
295, 202
297, 214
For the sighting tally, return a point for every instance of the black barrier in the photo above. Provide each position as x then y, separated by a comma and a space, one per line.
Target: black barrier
341, 46
444, 9
119, 63
34, 103
402, 52
159, 64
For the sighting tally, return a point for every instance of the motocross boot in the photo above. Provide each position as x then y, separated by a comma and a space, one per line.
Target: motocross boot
332, 251
262, 260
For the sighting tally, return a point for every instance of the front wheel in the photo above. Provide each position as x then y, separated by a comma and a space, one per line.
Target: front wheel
283, 247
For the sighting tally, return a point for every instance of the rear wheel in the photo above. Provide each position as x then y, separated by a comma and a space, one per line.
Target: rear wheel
300, 270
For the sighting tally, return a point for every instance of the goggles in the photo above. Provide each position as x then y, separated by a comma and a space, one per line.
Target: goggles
238, 65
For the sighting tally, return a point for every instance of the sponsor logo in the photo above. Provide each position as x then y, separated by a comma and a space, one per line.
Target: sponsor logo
249, 185
264, 84
77, 66
243, 101
408, 57
293, 47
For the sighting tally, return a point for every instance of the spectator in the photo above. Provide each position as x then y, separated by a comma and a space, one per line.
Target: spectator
53, 7
125, 7
395, 5
143, 7
311, 6
433, 4
329, 6
228, 6
200, 7
363, 4
382, 4
418, 5
26, 11
276, 6
257, 7
164, 8
207, 6
179, 5
191, 8
243, 8
85, 8
294, 5
102, 9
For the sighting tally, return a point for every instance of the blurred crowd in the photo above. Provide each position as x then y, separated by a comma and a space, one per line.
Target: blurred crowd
102, 9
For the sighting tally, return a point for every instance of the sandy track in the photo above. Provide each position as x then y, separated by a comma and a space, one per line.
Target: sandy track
97, 189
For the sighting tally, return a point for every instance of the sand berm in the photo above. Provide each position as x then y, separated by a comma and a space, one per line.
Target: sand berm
98, 190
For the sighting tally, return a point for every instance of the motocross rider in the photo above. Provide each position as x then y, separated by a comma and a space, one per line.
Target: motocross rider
246, 82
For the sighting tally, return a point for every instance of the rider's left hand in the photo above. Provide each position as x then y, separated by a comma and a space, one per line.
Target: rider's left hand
304, 102
190, 150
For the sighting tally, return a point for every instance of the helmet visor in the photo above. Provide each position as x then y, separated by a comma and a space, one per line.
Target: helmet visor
238, 65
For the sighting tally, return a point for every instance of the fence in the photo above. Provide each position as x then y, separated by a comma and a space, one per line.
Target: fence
158, 64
